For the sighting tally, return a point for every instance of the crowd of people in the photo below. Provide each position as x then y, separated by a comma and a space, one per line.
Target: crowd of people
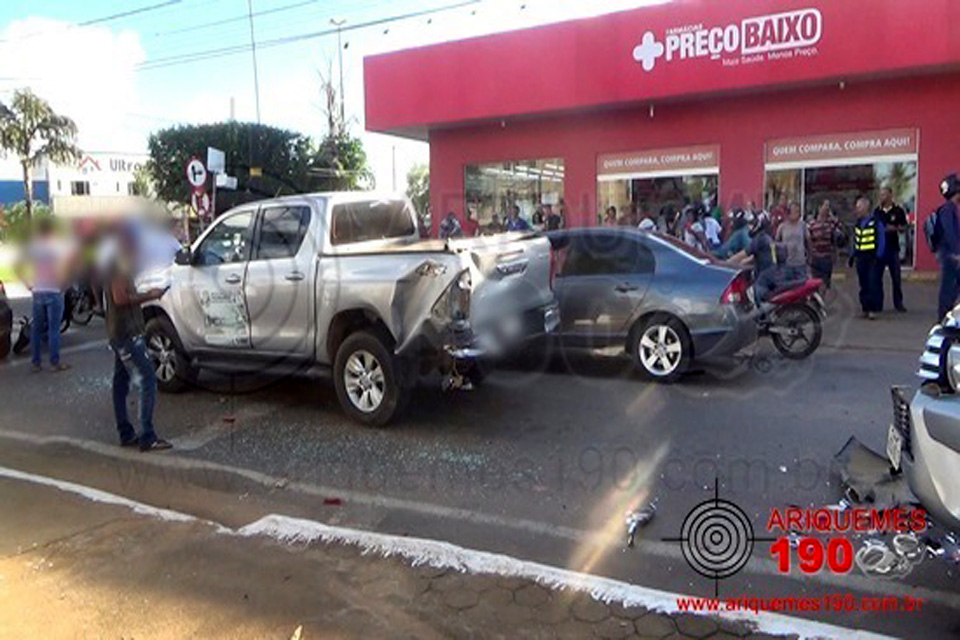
545, 217
785, 247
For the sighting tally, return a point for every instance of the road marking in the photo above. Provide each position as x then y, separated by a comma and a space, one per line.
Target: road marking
533, 528
440, 554
87, 346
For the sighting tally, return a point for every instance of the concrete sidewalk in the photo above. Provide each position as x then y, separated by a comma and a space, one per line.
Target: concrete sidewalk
844, 329
71, 567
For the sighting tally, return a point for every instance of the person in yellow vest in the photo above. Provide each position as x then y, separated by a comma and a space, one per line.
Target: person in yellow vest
869, 239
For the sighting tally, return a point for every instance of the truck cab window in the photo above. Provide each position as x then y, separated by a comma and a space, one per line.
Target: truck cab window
371, 220
282, 230
227, 242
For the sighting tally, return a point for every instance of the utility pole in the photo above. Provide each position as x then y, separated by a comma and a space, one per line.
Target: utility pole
338, 23
253, 51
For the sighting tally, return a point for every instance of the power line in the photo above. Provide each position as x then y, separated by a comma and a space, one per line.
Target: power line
108, 18
160, 63
244, 17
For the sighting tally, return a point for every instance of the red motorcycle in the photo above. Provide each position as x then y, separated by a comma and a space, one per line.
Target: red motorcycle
792, 316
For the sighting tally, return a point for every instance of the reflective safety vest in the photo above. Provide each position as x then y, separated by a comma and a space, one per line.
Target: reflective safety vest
865, 237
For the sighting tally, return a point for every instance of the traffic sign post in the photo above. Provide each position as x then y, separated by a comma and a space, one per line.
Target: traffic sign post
196, 173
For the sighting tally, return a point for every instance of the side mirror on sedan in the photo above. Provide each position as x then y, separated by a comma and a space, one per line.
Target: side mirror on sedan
183, 257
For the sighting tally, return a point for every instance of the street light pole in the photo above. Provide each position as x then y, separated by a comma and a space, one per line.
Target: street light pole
253, 50
338, 23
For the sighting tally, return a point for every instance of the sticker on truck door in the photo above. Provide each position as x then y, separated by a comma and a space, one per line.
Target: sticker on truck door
224, 318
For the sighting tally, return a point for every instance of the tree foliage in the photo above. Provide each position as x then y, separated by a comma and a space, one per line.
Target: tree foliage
289, 162
418, 187
32, 131
282, 156
15, 221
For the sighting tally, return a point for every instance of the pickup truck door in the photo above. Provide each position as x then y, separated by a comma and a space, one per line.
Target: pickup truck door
280, 280
601, 284
213, 307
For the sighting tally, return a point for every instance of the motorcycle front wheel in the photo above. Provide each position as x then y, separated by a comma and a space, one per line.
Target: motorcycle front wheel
796, 331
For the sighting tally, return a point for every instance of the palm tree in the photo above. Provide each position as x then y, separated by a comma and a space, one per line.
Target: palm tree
33, 131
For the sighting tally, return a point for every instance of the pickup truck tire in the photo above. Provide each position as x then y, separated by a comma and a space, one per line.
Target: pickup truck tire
171, 363
369, 379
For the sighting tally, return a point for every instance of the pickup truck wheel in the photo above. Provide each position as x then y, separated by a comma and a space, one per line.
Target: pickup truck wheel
170, 362
368, 379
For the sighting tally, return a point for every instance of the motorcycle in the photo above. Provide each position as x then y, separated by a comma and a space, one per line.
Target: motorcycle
79, 305
793, 317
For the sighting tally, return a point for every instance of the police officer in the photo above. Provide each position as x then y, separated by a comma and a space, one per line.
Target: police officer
868, 246
948, 243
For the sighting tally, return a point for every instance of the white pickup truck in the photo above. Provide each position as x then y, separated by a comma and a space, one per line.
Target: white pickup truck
343, 281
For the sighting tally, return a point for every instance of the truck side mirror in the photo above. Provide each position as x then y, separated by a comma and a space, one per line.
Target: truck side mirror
183, 257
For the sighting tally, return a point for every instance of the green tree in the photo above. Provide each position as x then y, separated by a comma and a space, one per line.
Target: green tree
418, 187
15, 221
340, 164
339, 161
33, 131
282, 157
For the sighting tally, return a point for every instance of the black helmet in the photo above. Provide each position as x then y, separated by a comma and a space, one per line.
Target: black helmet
741, 218
760, 222
950, 186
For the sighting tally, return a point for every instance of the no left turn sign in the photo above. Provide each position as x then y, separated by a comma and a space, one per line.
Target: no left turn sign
196, 173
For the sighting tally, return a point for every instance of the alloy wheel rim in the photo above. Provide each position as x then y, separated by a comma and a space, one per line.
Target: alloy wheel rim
364, 380
660, 349
164, 358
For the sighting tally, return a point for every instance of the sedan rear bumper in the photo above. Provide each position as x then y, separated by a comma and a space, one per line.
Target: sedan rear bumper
732, 331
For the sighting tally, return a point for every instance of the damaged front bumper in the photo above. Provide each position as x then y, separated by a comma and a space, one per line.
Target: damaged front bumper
931, 452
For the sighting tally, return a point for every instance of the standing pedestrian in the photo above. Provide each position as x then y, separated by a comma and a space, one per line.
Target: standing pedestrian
610, 219
894, 219
825, 235
515, 222
45, 270
450, 227
125, 331
948, 244
551, 219
869, 238
780, 212
794, 235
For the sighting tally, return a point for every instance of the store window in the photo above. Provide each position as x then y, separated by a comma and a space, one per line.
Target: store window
492, 189
660, 182
80, 188
843, 167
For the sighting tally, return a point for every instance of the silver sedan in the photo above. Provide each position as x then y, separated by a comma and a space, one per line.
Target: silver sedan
666, 303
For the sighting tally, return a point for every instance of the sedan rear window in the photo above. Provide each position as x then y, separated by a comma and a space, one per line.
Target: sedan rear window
371, 220
683, 247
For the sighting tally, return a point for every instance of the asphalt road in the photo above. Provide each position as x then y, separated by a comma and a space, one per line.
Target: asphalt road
542, 462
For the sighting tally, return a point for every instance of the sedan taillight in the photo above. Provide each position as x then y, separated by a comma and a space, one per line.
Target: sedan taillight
736, 291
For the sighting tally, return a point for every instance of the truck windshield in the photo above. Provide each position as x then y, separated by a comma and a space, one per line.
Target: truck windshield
371, 220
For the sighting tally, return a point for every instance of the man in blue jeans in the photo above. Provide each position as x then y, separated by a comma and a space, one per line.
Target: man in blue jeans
48, 259
125, 329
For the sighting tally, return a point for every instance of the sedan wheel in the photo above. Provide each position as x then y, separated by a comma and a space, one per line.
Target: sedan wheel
662, 348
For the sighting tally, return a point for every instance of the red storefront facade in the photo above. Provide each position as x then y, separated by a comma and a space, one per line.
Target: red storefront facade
739, 100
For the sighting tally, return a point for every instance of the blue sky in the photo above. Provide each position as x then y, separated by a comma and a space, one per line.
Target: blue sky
94, 73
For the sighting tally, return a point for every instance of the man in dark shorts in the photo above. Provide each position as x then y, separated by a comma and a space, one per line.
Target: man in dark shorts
125, 329
765, 255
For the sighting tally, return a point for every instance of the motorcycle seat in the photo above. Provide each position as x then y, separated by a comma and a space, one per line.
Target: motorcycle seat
796, 290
